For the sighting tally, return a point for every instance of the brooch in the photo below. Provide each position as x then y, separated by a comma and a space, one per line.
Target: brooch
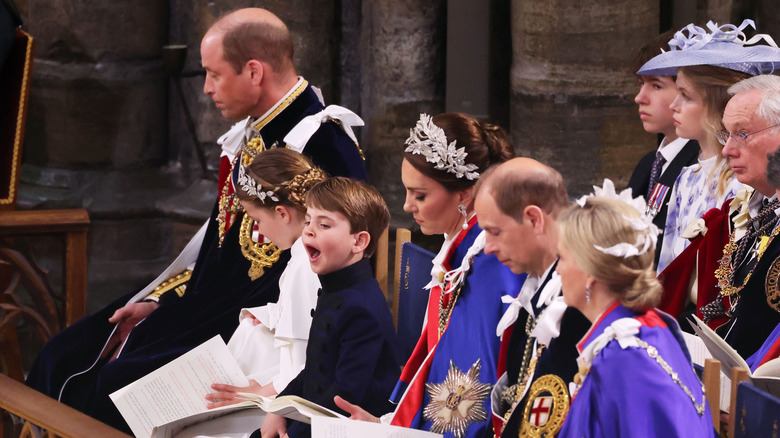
458, 401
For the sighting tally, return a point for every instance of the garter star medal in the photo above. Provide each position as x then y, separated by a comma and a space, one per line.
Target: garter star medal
771, 285
545, 408
458, 401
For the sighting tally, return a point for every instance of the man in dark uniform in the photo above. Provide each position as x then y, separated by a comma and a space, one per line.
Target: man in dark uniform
250, 74
748, 302
517, 205
656, 173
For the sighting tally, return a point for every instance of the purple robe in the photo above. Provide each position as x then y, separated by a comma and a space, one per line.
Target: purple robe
628, 394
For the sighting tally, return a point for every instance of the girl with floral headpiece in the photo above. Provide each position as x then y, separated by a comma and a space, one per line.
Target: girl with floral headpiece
270, 342
443, 159
636, 377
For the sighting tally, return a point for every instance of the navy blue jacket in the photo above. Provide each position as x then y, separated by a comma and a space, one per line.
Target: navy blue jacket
353, 348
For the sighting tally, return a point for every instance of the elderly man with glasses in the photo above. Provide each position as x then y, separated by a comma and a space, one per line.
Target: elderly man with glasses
741, 258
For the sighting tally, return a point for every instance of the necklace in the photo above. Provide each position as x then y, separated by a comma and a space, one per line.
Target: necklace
260, 255
732, 256
514, 393
445, 311
652, 352
227, 206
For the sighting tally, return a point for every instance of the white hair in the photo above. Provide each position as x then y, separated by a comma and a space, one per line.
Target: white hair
769, 87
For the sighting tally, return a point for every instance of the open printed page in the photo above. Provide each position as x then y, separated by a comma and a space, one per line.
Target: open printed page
177, 389
720, 349
696, 348
766, 377
291, 406
326, 427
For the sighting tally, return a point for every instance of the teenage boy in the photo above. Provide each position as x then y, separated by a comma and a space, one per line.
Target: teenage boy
656, 173
352, 348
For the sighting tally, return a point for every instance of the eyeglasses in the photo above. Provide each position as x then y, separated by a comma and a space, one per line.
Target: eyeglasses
740, 137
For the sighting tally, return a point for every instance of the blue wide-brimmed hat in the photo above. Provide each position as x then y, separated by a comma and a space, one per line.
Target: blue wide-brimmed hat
726, 46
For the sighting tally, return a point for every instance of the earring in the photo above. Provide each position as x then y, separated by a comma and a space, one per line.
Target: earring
462, 210
587, 293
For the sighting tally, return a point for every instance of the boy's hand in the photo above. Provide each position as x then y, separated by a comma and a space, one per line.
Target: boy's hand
273, 426
228, 394
355, 412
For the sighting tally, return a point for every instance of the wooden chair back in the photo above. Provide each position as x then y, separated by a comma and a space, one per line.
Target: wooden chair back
33, 303
738, 375
711, 380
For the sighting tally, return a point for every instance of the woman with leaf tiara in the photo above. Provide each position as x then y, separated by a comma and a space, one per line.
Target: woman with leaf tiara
636, 378
458, 349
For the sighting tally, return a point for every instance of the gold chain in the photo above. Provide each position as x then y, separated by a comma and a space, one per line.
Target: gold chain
446, 312
651, 351
726, 266
261, 255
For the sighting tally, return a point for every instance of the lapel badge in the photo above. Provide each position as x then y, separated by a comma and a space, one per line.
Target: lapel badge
545, 408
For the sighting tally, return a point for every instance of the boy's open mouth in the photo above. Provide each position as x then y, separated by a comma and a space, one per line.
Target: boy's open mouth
314, 253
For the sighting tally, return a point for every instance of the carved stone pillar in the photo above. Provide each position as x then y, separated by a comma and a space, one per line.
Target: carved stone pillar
572, 94
402, 52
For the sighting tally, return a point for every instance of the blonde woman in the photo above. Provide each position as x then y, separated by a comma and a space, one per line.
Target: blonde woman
636, 378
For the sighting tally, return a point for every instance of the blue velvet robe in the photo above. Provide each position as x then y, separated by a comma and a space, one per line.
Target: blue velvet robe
68, 368
628, 394
469, 336
769, 350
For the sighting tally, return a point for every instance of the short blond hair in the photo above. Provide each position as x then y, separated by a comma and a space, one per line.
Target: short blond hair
602, 222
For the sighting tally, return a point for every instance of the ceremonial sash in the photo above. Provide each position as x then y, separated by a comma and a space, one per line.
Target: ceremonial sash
411, 385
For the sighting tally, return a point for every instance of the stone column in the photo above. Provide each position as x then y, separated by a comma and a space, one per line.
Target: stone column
572, 94
402, 52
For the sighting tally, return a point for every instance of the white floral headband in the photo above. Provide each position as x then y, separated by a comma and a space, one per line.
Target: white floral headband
645, 241
429, 140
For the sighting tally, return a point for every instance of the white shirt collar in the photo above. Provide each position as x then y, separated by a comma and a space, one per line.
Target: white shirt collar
671, 149
757, 201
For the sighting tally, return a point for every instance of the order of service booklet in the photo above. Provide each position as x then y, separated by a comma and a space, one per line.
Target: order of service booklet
174, 396
766, 377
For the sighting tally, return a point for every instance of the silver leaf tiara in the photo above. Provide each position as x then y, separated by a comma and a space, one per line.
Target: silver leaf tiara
429, 140
250, 186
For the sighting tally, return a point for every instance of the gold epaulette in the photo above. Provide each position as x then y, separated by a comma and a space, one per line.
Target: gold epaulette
178, 283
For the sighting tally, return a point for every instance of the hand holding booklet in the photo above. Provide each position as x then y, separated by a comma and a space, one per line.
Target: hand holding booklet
174, 396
